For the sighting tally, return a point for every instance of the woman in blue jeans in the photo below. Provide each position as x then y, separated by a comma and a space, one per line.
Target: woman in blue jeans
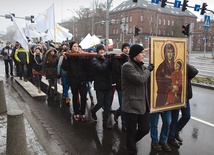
177, 125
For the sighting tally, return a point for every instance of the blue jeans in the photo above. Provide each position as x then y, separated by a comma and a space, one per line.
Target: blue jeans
177, 125
65, 86
10, 62
166, 119
119, 111
88, 85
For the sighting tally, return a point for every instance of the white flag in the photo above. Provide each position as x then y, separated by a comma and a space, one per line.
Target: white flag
86, 42
19, 35
27, 31
46, 20
58, 34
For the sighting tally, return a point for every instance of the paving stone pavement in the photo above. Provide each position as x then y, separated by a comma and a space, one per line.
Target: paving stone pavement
33, 143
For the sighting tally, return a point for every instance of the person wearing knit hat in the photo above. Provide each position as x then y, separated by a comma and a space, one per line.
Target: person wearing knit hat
76, 68
124, 46
135, 78
71, 44
102, 84
100, 47
135, 50
116, 71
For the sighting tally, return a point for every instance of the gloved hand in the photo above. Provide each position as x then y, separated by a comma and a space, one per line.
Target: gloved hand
150, 67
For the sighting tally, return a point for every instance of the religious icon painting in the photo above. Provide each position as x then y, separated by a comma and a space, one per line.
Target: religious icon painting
168, 79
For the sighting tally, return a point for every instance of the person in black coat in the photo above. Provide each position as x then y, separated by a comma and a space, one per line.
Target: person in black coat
37, 63
7, 57
178, 124
116, 71
50, 70
102, 84
76, 78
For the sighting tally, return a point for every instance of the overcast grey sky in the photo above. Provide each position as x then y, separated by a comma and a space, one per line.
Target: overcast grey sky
23, 8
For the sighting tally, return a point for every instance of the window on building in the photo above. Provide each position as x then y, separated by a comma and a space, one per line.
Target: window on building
199, 41
173, 23
130, 19
164, 32
172, 33
168, 22
141, 29
159, 32
116, 21
159, 21
164, 22
113, 31
127, 19
130, 29
141, 18
116, 31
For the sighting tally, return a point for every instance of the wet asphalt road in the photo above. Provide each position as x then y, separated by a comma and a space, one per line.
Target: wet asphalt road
88, 138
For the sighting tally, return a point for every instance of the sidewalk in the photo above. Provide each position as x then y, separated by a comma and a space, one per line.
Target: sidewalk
33, 143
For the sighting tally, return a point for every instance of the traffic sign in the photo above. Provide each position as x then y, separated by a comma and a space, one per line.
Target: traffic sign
155, 1
204, 37
177, 4
197, 7
206, 21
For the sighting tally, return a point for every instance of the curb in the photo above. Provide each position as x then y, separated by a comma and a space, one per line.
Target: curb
203, 86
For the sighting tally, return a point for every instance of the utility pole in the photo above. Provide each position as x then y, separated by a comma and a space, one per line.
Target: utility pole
107, 22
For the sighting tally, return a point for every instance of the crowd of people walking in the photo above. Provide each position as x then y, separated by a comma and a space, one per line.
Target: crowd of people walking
124, 72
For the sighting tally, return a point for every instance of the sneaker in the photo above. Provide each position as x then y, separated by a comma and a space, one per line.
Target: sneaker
115, 116
93, 115
83, 118
77, 117
174, 143
156, 146
178, 138
7, 76
11, 74
107, 126
165, 146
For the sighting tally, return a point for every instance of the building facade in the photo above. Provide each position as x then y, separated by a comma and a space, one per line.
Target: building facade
150, 18
200, 35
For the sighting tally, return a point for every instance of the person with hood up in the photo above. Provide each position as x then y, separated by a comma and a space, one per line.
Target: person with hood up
50, 70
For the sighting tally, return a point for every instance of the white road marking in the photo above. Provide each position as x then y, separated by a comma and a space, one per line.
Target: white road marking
202, 121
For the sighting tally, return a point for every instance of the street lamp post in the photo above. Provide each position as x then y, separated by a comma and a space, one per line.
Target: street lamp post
72, 22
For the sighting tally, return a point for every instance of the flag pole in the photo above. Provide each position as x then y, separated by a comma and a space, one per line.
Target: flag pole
54, 24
